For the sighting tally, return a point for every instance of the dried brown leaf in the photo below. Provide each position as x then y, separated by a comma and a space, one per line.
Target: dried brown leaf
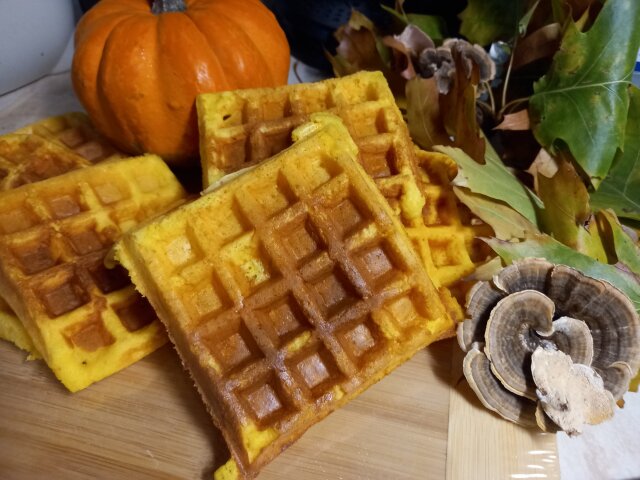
458, 108
515, 121
358, 46
406, 47
423, 113
542, 43
567, 215
543, 164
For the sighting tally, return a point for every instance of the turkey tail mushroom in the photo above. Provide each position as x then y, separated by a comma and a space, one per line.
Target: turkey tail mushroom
492, 394
585, 332
612, 321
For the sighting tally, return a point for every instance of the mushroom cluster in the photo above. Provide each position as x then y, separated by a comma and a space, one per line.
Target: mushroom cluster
549, 346
416, 53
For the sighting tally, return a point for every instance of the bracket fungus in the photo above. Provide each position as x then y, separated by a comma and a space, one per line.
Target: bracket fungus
536, 306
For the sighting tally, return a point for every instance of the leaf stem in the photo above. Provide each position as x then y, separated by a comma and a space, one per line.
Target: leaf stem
295, 71
492, 100
508, 75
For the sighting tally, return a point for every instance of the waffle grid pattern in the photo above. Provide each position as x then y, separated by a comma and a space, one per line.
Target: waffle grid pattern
49, 148
74, 132
54, 236
242, 128
42, 150
300, 296
247, 328
30, 158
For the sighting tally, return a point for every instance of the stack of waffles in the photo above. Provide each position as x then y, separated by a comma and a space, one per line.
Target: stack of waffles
36, 152
61, 208
287, 291
242, 128
320, 262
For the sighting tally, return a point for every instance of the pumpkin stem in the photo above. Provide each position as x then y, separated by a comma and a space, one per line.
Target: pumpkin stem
166, 6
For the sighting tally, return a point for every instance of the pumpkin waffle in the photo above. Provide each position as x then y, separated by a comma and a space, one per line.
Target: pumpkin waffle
240, 128
29, 158
449, 236
74, 132
287, 291
85, 320
38, 151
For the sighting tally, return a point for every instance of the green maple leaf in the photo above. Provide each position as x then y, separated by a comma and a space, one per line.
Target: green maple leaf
544, 246
485, 21
620, 191
583, 100
493, 180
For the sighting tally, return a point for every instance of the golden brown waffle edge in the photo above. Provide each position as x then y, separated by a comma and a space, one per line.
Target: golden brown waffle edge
74, 132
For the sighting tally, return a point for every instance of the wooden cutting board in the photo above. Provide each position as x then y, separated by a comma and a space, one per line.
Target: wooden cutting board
148, 422
420, 422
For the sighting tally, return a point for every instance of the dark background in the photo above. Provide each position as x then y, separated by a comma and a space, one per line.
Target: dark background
310, 24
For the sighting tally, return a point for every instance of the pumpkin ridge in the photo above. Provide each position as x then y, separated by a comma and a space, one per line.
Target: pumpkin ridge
217, 79
208, 45
127, 124
264, 65
269, 58
141, 94
86, 34
211, 49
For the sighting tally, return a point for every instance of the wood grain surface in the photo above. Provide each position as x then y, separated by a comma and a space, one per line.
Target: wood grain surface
482, 445
148, 422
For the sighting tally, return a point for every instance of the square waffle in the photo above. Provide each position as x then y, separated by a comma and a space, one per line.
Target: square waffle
85, 320
240, 128
74, 132
287, 291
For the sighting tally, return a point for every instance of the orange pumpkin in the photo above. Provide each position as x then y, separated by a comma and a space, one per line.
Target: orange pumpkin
137, 68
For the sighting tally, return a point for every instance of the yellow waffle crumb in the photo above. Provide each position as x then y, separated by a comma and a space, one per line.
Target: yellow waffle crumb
228, 471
